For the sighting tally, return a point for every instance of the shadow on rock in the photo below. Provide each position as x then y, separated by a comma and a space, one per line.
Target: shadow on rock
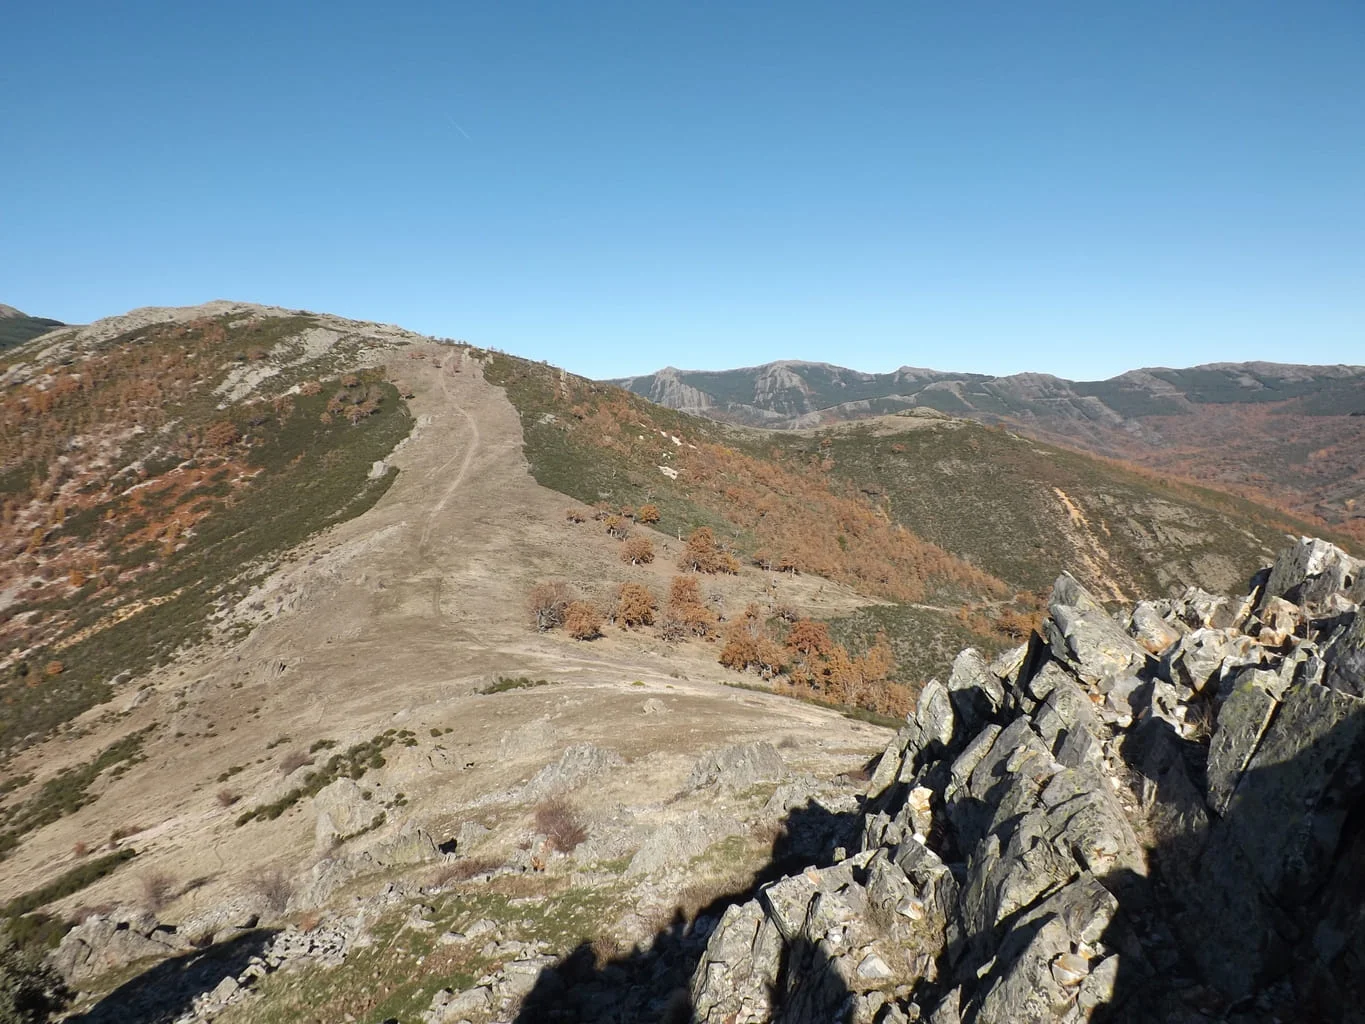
652, 981
1258, 913
163, 993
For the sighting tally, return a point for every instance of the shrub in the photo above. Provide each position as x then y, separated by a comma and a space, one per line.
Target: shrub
548, 603
703, 555
635, 606
158, 889
463, 870
582, 620
616, 527
505, 683
226, 797
575, 516
293, 761
748, 645
647, 514
637, 551
223, 434
65, 884
809, 638
559, 823
274, 887
30, 990
687, 614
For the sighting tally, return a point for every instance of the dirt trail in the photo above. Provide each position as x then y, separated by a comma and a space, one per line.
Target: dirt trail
395, 619
471, 447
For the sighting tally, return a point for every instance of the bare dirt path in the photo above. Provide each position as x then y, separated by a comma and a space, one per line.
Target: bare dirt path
471, 448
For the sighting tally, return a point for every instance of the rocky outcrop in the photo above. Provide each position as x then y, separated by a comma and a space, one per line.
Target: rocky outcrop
1158, 817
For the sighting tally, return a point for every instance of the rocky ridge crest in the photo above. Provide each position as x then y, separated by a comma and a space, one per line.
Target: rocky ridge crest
1148, 818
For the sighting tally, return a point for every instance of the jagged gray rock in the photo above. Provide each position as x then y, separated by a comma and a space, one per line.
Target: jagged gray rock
738, 768
1004, 870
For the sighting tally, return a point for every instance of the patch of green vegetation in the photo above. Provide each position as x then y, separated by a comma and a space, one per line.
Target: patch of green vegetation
623, 473
504, 683
15, 330
65, 884
14, 782
311, 475
993, 498
397, 976
353, 763
67, 792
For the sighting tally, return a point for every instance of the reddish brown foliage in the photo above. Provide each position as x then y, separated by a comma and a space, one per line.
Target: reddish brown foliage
582, 620
686, 613
637, 551
635, 606
547, 603
647, 514
702, 554
223, 434
558, 822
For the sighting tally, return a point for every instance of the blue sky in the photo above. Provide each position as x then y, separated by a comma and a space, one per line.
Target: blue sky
1076, 188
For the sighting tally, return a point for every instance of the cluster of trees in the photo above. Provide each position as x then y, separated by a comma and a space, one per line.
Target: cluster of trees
354, 400
809, 662
800, 657
635, 549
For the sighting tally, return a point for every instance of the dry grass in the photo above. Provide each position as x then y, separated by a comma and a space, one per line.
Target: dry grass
462, 870
293, 761
274, 886
559, 823
158, 889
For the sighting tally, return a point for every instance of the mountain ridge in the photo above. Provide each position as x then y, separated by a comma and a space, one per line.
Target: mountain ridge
1281, 433
17, 327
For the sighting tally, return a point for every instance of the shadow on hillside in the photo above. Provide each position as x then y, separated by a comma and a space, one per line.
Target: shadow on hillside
651, 982
163, 993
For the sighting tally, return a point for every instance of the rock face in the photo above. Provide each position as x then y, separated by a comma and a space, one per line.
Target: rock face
1154, 818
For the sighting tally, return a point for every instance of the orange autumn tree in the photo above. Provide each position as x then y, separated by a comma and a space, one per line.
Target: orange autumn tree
702, 554
686, 614
749, 645
635, 606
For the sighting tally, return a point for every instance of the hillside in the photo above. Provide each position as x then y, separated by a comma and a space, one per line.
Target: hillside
289, 733
296, 664
957, 526
17, 327
1283, 433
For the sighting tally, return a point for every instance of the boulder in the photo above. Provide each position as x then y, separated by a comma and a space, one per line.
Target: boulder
575, 767
737, 768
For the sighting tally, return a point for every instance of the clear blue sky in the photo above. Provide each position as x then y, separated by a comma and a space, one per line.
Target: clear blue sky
1076, 188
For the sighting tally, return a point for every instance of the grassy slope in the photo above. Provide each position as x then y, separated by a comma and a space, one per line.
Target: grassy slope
978, 492
992, 496
289, 476
15, 330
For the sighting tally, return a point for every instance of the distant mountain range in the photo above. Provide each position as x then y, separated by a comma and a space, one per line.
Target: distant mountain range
1292, 434
17, 327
